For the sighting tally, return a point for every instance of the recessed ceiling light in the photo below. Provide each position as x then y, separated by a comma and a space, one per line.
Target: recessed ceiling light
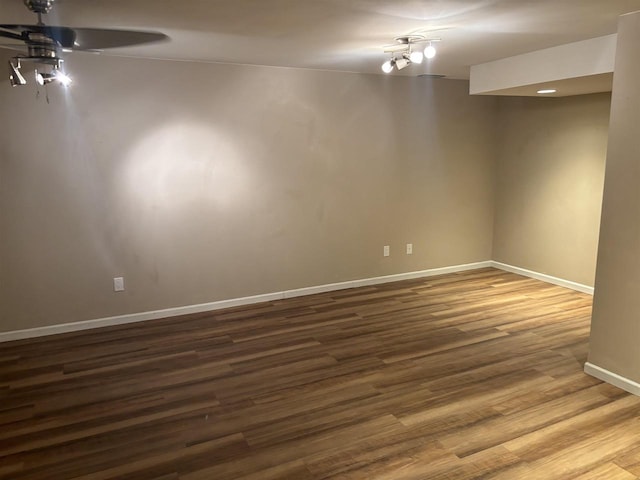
547, 91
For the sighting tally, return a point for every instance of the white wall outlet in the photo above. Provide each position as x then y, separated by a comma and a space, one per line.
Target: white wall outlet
409, 248
118, 284
385, 251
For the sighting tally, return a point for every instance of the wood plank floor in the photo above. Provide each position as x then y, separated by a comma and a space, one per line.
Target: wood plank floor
475, 375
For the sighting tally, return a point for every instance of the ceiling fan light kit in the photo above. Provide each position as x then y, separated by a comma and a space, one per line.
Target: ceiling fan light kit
15, 77
404, 53
45, 44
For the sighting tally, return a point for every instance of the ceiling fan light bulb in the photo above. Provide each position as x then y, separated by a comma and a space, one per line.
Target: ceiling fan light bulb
64, 79
416, 57
39, 78
430, 51
387, 67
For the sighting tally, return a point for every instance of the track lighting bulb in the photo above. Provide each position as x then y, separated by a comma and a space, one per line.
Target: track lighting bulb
387, 67
63, 78
416, 57
430, 51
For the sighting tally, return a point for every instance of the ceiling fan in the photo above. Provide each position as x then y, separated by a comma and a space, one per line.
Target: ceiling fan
45, 44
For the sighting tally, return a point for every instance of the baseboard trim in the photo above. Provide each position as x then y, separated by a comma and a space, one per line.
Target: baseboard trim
134, 317
612, 378
545, 278
366, 282
236, 302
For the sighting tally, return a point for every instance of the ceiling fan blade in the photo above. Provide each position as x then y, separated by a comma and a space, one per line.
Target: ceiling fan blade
64, 36
13, 46
99, 38
81, 38
8, 33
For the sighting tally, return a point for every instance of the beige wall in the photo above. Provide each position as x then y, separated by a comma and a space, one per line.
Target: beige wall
615, 330
206, 182
549, 184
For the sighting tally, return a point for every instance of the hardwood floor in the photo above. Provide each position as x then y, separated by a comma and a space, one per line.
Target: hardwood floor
476, 375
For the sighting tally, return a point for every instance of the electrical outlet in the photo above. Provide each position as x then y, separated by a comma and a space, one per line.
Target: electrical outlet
118, 284
409, 248
385, 251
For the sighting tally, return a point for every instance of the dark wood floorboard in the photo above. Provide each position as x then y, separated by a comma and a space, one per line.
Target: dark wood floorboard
474, 375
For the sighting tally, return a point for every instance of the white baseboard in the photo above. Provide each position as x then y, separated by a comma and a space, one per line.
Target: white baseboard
299, 292
612, 378
545, 278
267, 297
212, 306
134, 317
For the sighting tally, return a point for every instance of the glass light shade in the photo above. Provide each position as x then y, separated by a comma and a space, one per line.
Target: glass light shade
416, 57
387, 67
430, 51
63, 78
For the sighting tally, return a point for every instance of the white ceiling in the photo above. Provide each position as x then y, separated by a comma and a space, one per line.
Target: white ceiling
345, 35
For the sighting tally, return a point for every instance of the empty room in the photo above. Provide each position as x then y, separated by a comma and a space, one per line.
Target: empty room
320, 239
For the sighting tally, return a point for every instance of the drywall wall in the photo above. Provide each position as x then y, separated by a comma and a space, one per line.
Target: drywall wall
615, 328
549, 184
201, 182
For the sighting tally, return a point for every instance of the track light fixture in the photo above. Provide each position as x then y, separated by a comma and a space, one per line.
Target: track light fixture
404, 53
42, 78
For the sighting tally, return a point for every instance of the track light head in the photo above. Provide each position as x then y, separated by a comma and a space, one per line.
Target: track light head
402, 63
